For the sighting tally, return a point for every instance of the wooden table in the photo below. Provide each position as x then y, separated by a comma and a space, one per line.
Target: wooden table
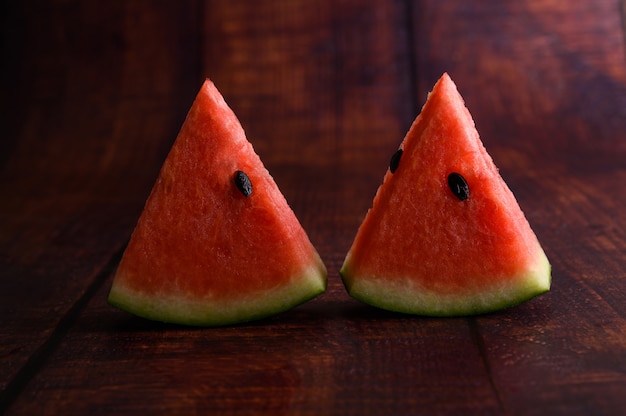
93, 94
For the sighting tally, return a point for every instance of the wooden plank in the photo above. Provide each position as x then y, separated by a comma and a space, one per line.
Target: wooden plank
546, 83
93, 104
325, 68
525, 67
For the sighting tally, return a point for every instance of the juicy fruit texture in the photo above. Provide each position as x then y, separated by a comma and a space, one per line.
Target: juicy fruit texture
217, 242
445, 235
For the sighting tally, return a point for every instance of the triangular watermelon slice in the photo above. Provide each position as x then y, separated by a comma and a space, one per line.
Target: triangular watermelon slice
445, 235
216, 242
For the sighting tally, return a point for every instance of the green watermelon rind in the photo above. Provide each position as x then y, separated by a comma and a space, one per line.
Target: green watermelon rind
170, 308
404, 297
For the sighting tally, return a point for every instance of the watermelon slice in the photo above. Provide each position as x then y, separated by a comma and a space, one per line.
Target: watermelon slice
445, 235
217, 242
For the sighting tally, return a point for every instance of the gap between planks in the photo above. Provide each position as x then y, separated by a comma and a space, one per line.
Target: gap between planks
482, 350
39, 357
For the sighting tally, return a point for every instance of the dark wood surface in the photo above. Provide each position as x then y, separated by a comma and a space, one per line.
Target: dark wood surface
93, 94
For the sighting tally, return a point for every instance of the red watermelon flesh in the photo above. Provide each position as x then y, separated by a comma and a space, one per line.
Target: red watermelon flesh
423, 249
204, 253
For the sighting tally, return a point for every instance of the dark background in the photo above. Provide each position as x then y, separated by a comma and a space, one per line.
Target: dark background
93, 94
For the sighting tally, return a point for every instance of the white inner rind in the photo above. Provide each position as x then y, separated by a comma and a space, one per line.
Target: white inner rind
406, 295
186, 310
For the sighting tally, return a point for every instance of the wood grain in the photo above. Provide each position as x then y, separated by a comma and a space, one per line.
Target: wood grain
95, 94
87, 138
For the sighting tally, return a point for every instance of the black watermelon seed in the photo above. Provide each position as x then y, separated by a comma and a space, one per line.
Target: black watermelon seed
395, 160
458, 186
243, 183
